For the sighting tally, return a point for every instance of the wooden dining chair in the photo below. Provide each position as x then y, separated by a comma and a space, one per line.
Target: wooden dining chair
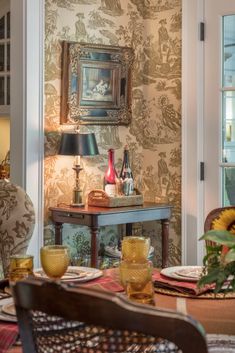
215, 214
17, 220
212, 219
56, 317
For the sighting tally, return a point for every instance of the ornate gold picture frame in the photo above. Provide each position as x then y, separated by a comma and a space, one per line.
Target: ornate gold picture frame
96, 84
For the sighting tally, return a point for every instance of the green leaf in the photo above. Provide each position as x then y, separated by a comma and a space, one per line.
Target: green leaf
211, 277
214, 248
220, 281
223, 237
230, 256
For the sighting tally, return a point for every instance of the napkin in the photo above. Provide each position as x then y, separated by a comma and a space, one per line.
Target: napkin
9, 334
161, 281
106, 282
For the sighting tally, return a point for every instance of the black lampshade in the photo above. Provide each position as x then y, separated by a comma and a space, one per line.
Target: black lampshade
77, 144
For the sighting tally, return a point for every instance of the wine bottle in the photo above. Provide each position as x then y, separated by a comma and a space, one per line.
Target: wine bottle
110, 176
126, 174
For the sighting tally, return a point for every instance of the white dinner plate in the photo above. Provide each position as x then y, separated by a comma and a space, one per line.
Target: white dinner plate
75, 274
9, 309
4, 303
183, 273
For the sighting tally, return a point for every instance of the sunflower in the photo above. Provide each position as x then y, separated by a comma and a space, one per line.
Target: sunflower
219, 261
225, 221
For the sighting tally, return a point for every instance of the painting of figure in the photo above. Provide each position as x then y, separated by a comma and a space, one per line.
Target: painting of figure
97, 84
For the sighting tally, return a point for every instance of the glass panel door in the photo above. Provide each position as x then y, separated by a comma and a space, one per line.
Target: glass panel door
219, 104
228, 110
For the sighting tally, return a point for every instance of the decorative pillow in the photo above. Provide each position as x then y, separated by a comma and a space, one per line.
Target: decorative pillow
17, 220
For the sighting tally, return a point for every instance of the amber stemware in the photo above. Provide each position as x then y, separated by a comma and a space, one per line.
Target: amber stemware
135, 248
54, 260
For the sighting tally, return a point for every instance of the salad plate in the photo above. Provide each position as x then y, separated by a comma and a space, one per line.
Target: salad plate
7, 312
183, 273
75, 274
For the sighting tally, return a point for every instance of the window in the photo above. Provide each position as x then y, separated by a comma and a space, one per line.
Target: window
5, 63
228, 109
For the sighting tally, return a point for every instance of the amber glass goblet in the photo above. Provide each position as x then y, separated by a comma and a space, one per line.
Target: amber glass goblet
55, 260
21, 266
136, 279
135, 248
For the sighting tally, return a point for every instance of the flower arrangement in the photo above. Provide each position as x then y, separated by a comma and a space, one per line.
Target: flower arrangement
219, 262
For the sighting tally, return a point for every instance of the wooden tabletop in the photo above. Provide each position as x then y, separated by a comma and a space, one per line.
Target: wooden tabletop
99, 210
216, 315
102, 216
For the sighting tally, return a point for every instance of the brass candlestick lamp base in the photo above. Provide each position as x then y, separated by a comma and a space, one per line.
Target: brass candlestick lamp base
77, 192
77, 198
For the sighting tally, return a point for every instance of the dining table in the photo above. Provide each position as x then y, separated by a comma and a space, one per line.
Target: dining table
217, 315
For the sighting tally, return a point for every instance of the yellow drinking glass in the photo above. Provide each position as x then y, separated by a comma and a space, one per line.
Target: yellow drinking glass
135, 249
136, 278
21, 266
55, 260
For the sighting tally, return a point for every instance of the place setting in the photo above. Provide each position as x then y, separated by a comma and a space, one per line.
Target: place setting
7, 310
183, 281
55, 262
7, 307
179, 280
74, 274
187, 273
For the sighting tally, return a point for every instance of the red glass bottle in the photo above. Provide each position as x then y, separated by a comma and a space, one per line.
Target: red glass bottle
110, 176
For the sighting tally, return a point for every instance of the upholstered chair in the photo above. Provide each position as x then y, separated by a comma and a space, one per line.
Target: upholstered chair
17, 220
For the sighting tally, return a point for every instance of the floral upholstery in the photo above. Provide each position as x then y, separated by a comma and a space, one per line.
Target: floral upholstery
17, 219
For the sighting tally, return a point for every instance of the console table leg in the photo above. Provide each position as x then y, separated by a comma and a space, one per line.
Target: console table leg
58, 233
165, 242
94, 246
129, 229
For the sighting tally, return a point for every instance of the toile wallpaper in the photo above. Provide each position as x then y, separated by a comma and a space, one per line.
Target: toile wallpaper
153, 29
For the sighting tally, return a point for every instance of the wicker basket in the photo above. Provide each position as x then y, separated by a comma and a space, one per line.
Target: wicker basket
99, 198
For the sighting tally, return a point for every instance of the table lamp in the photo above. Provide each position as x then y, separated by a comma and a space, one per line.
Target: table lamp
78, 144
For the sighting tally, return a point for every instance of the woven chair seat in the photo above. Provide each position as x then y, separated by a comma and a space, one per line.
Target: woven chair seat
54, 334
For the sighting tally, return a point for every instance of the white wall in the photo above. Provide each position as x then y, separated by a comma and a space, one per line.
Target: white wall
192, 133
4, 137
4, 6
27, 34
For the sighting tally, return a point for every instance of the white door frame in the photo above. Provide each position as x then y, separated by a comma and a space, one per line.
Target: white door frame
26, 132
192, 132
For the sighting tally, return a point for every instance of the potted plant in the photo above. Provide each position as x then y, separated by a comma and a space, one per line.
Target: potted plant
219, 261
